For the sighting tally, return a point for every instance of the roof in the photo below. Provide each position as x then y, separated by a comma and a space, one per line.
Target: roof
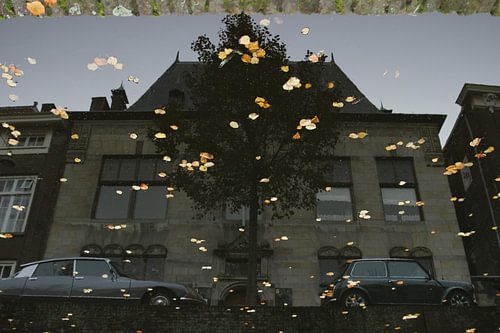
478, 88
382, 259
174, 78
19, 109
59, 259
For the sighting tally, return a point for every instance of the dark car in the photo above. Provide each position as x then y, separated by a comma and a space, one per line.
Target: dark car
91, 278
396, 281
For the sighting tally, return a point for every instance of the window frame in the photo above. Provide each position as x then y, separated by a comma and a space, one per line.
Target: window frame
8, 263
128, 183
27, 208
340, 184
407, 276
369, 276
20, 150
408, 185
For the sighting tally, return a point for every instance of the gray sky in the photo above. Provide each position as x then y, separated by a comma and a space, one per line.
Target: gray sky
435, 55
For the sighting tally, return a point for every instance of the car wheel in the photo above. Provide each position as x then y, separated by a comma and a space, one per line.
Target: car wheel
354, 298
459, 298
160, 298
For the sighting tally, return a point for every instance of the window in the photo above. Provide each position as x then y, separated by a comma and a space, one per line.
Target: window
238, 267
98, 268
55, 268
15, 200
117, 199
421, 254
369, 269
406, 269
32, 142
399, 189
336, 203
7, 268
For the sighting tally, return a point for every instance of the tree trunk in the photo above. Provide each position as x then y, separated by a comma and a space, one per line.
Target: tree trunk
252, 251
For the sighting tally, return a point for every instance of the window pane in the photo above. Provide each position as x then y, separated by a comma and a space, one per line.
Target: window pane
147, 168
375, 268
55, 268
112, 205
342, 171
396, 206
335, 205
6, 270
110, 169
406, 269
385, 171
427, 264
127, 169
404, 170
150, 204
92, 268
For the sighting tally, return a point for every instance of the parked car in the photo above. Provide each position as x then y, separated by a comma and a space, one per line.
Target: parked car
396, 281
91, 278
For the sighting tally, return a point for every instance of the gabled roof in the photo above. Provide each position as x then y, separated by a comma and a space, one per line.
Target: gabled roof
174, 78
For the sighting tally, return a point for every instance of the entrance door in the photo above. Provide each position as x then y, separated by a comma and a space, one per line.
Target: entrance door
51, 279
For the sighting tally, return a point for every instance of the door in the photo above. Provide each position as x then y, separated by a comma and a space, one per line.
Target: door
50, 279
372, 277
410, 283
94, 278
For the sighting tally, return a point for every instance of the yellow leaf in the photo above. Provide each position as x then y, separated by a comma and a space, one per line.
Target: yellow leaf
353, 135
305, 30
490, 149
234, 124
246, 58
285, 69
35, 8
330, 85
350, 99
260, 53
315, 120
296, 136
50, 3
75, 136
307, 85
160, 111
252, 46
160, 135
338, 104
313, 58
222, 55
475, 142
244, 40
361, 135
254, 60
253, 115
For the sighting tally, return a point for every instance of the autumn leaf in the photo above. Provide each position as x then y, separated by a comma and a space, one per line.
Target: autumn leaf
35, 8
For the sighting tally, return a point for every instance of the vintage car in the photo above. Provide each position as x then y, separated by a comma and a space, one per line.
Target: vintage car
91, 278
396, 281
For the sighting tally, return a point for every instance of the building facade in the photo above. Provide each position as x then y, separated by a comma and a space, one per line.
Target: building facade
476, 131
388, 198
30, 170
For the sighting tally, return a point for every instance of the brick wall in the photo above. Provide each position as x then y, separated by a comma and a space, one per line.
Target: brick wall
92, 316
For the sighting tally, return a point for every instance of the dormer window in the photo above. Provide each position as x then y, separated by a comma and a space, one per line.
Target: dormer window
176, 98
29, 142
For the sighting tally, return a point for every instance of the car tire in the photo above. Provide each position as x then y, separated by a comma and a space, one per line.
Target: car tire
354, 298
160, 298
459, 298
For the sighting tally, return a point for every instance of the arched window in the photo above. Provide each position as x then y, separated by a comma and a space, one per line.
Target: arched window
424, 256
91, 250
399, 252
155, 257
113, 251
329, 265
176, 98
133, 261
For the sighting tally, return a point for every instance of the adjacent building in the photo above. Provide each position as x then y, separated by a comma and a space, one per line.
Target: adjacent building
32, 152
383, 203
474, 138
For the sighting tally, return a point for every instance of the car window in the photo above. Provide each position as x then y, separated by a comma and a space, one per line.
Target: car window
406, 269
55, 268
92, 268
369, 268
25, 271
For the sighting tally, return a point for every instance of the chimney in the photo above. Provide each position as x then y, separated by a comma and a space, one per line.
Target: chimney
46, 107
99, 104
119, 99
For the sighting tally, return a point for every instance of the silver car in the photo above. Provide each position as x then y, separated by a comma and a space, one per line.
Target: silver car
91, 278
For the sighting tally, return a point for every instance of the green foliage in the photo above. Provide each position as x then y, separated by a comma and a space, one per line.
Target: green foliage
339, 6
100, 8
9, 8
154, 8
63, 4
224, 94
309, 6
260, 6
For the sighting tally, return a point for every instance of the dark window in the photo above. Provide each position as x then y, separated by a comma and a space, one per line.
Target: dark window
334, 203
406, 269
369, 269
424, 256
92, 268
399, 189
239, 267
55, 268
117, 199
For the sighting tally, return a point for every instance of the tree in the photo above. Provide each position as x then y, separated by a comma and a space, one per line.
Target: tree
260, 132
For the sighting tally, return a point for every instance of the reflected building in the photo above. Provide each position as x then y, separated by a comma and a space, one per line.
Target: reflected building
382, 203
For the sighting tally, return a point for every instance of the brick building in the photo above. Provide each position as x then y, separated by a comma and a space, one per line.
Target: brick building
98, 213
478, 185
29, 182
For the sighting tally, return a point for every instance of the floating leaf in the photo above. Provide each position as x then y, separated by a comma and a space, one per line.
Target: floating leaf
160, 111
338, 104
35, 8
160, 135
234, 124
265, 22
296, 136
75, 136
305, 30
244, 40
133, 136
253, 115
31, 61
13, 97
285, 69
92, 66
475, 142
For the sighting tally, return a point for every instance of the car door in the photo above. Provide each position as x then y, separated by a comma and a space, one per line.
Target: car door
371, 276
50, 279
94, 278
410, 283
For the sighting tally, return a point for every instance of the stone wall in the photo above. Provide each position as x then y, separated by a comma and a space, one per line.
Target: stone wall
294, 263
114, 317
